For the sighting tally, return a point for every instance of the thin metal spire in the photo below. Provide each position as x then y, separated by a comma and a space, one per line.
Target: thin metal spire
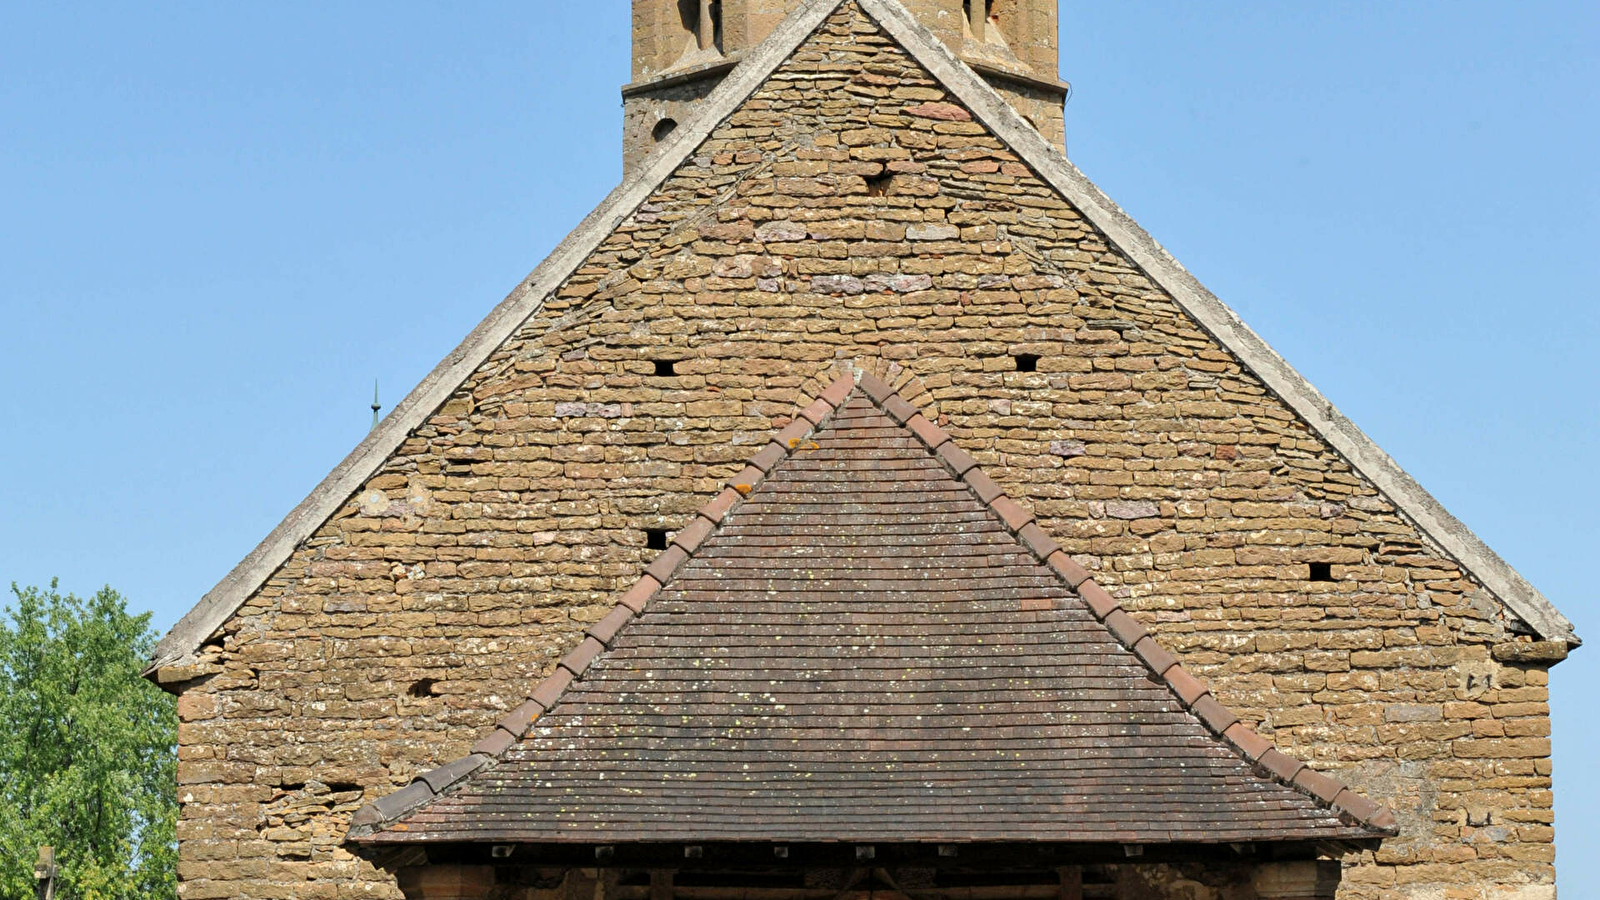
376, 406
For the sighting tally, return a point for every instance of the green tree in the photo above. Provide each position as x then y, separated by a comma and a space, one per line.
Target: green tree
87, 750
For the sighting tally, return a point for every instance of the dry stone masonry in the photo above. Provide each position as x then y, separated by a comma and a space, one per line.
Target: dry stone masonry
852, 213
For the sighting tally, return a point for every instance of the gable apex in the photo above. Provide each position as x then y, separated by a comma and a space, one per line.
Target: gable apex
991, 110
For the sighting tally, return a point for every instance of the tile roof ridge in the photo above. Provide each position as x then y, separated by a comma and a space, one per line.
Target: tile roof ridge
388, 810
1192, 693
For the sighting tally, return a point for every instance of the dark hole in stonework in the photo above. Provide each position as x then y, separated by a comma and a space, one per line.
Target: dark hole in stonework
666, 368
342, 787
664, 128
1027, 362
878, 185
424, 688
655, 538
1322, 571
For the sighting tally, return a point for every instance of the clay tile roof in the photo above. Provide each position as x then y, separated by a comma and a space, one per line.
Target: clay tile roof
863, 649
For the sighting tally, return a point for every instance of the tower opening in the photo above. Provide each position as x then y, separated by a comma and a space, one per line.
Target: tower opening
977, 14
702, 21
683, 48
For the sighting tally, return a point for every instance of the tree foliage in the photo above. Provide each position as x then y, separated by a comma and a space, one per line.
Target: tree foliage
87, 750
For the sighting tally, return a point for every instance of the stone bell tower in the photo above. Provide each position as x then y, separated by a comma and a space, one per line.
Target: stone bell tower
683, 48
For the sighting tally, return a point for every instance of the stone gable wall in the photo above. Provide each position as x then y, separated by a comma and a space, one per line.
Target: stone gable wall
851, 213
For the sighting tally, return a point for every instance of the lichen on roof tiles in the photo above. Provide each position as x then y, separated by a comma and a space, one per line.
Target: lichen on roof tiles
866, 648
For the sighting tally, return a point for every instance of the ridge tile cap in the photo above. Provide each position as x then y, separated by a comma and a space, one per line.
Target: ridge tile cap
551, 689
718, 508
605, 630
451, 773
1125, 628
496, 744
1040, 543
1155, 656
582, 656
746, 480
694, 534
1385, 821
1318, 785
1011, 512
838, 392
366, 818
1216, 717
817, 412
957, 460
518, 721
1282, 766
1100, 601
792, 434
983, 486
929, 433
394, 805
874, 387
1245, 739
769, 457
1357, 806
1069, 570
638, 597
421, 791
899, 409
1188, 688
667, 564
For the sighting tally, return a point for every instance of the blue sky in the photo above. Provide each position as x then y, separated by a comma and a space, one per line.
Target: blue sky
220, 222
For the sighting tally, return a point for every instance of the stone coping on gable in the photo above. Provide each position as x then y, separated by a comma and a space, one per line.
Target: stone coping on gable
178, 648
